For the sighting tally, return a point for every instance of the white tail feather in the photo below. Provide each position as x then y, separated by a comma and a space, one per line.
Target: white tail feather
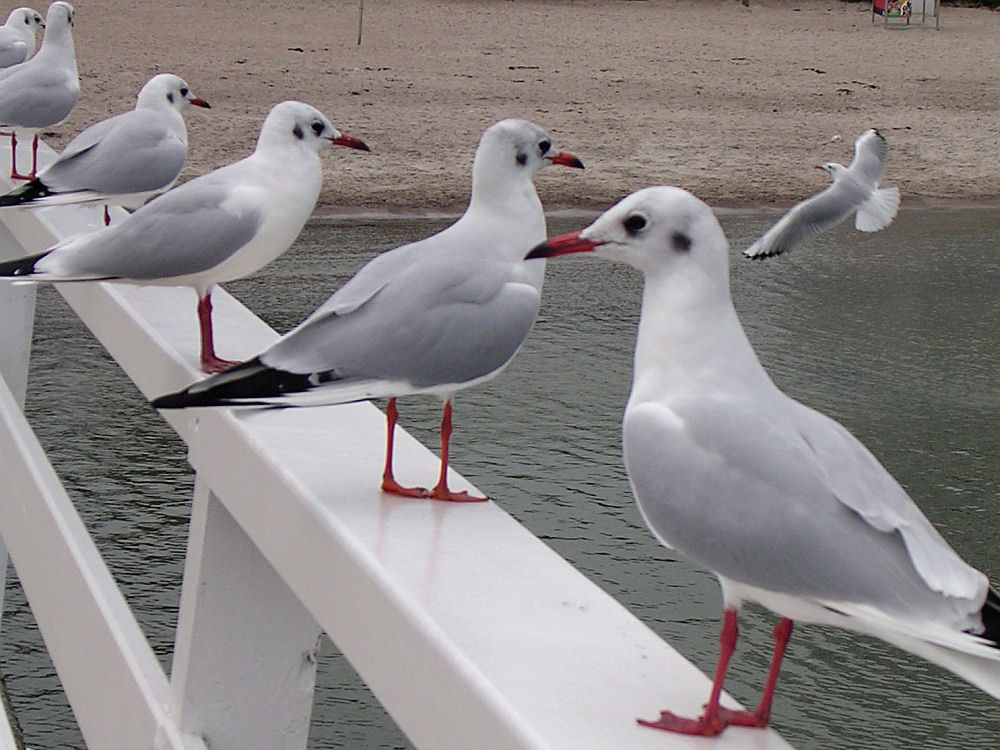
878, 211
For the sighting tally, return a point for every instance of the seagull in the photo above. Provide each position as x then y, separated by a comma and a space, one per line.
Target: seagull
218, 227
42, 91
782, 503
124, 160
17, 36
854, 189
435, 316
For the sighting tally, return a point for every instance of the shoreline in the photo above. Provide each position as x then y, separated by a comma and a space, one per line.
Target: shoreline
331, 215
733, 103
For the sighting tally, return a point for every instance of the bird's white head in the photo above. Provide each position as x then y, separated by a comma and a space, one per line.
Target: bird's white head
659, 230
26, 19
514, 150
59, 16
833, 169
302, 126
170, 91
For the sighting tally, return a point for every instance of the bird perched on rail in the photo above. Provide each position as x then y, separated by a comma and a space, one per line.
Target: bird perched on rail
42, 91
854, 190
124, 160
782, 503
435, 316
17, 36
215, 228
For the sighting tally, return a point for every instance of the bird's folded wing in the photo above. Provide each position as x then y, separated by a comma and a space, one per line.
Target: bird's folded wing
181, 233
432, 324
129, 158
782, 504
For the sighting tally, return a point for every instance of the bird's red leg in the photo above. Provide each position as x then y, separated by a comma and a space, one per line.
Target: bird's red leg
389, 483
441, 491
209, 362
34, 158
761, 717
14, 174
709, 723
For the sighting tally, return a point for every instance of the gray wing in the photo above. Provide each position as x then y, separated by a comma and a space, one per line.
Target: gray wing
772, 518
870, 150
811, 216
131, 153
36, 97
185, 231
12, 52
443, 321
378, 272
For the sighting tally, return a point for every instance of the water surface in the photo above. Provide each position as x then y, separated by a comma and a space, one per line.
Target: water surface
892, 334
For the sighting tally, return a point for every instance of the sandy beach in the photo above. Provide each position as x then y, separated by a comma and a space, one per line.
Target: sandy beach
734, 103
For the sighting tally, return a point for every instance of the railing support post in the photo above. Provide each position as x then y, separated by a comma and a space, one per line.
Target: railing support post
244, 665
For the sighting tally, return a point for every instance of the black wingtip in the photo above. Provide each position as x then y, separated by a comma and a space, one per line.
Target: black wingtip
26, 193
21, 266
245, 385
991, 617
762, 256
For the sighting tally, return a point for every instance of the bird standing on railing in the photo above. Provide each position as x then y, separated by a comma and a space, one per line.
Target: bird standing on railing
17, 36
218, 227
434, 316
124, 160
42, 91
786, 506
854, 190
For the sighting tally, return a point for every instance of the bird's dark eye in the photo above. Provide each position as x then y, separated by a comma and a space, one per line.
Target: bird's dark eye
318, 127
544, 146
184, 91
634, 224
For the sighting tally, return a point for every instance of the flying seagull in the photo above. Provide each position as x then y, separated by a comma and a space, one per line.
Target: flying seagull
854, 190
782, 503
435, 316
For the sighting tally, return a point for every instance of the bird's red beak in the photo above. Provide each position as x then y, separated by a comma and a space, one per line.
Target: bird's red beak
566, 159
563, 244
349, 141
199, 102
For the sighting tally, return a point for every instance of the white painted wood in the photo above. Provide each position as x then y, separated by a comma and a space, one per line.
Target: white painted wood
245, 664
116, 687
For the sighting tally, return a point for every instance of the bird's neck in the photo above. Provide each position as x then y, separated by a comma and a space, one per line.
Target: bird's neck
511, 197
514, 215
690, 342
57, 45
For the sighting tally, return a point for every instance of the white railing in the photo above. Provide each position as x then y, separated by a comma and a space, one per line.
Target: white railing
470, 631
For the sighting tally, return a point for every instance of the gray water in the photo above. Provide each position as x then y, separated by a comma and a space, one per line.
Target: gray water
894, 334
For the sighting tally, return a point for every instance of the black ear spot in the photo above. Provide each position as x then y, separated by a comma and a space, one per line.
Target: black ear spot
522, 158
680, 242
170, 97
297, 132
